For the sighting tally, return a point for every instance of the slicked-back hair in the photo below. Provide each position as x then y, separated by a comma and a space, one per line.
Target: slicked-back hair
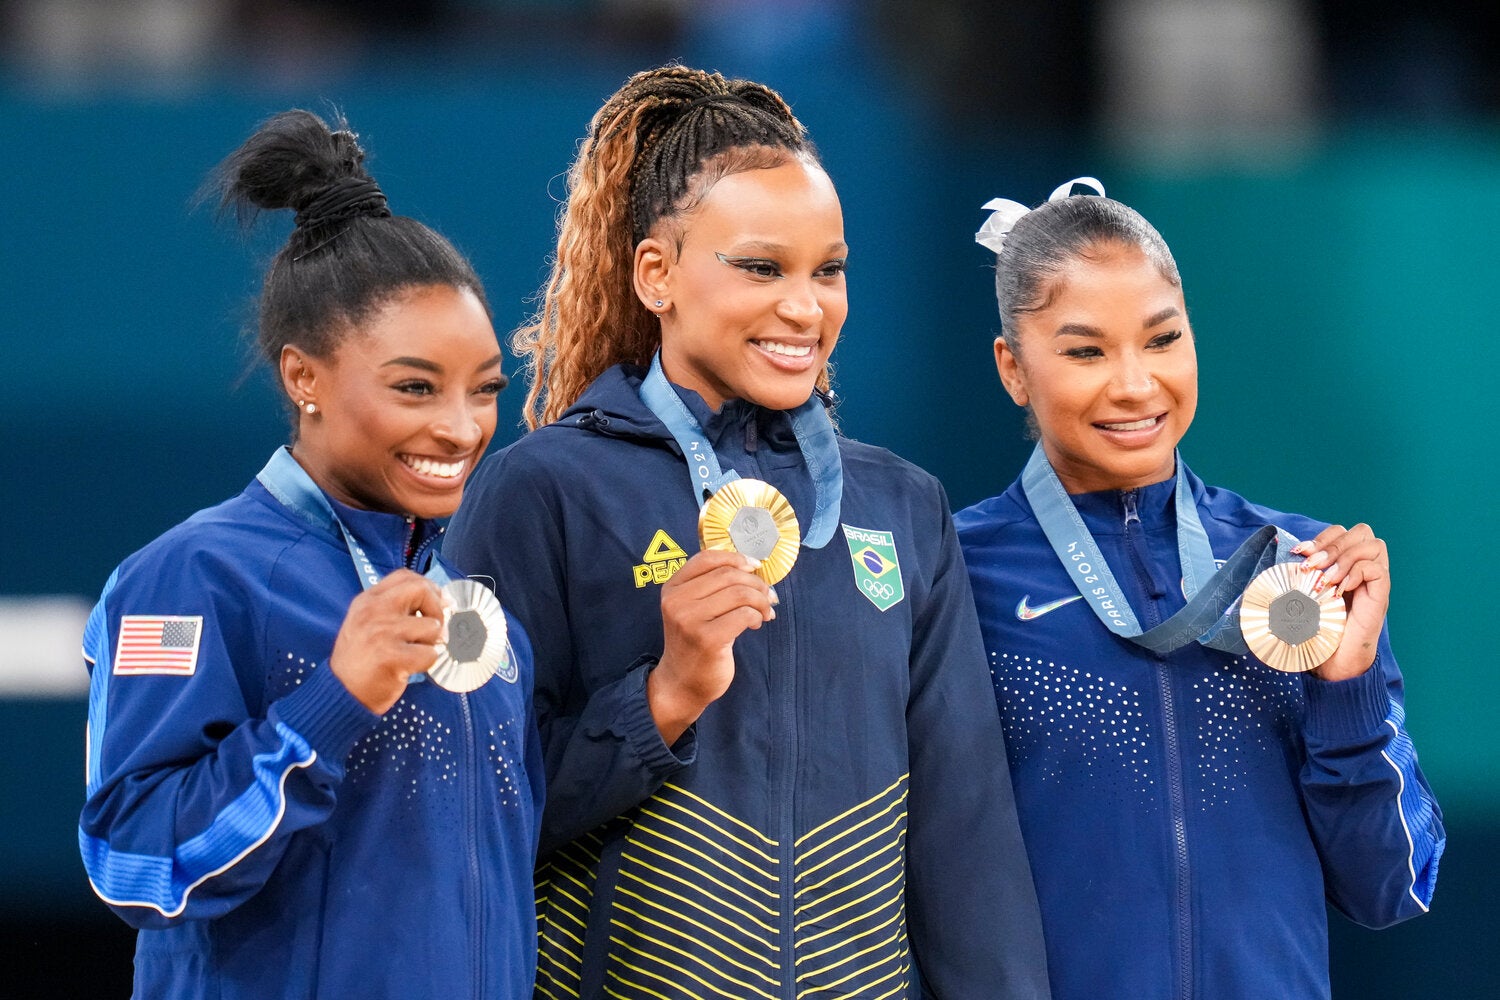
1046, 239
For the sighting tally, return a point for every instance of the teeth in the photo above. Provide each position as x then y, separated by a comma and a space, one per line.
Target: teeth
426, 466
1133, 425
788, 349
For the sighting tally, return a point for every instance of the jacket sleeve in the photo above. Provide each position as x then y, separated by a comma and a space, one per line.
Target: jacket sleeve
603, 753
975, 925
1377, 827
192, 796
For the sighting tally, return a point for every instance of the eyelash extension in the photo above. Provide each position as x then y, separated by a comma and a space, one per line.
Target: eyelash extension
745, 263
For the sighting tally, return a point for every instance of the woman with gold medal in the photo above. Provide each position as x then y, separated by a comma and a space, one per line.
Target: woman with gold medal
1202, 711
751, 792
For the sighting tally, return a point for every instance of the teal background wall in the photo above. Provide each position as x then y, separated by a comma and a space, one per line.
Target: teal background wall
1342, 289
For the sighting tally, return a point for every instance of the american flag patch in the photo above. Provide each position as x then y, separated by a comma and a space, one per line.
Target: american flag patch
158, 644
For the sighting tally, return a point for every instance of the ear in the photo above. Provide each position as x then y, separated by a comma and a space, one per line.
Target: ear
652, 275
299, 376
1009, 367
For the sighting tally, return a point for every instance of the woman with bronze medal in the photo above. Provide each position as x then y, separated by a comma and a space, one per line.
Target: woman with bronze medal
1202, 711
760, 685
312, 767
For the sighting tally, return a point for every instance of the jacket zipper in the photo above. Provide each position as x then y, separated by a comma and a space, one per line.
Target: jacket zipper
785, 664
471, 851
782, 659
1182, 889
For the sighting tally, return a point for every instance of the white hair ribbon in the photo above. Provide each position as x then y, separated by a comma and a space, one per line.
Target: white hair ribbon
1004, 213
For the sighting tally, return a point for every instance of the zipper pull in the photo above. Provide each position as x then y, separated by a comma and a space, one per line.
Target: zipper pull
1132, 516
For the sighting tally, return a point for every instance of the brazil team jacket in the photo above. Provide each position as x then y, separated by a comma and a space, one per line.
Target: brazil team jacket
1188, 814
269, 835
841, 811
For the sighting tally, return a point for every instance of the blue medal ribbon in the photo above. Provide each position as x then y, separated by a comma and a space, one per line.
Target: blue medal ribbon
1211, 615
286, 480
816, 439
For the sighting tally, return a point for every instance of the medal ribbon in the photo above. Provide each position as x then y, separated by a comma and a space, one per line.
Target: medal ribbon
288, 482
1209, 617
815, 438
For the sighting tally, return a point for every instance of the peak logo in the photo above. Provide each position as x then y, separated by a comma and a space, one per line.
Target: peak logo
662, 558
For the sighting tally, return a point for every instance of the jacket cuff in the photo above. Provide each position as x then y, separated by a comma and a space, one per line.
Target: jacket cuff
635, 723
1348, 710
323, 712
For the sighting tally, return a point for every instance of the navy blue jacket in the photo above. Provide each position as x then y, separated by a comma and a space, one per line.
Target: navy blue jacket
268, 834
842, 809
1186, 815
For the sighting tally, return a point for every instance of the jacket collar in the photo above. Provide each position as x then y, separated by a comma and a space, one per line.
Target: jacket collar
612, 405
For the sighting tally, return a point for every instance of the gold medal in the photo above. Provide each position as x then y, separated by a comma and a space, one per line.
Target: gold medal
753, 518
476, 649
1287, 622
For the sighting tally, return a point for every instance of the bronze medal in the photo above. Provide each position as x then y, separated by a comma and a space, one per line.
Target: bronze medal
1288, 623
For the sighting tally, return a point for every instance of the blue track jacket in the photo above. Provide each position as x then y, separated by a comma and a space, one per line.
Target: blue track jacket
843, 809
1187, 815
268, 834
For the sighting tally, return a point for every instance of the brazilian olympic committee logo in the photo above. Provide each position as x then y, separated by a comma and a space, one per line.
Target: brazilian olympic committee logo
877, 572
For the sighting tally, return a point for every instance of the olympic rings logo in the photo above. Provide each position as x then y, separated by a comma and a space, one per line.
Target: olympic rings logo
876, 589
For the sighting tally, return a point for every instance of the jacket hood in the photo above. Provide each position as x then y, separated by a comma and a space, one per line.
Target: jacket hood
612, 406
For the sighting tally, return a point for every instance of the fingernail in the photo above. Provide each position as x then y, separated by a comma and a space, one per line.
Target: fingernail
1316, 560
752, 564
772, 616
774, 598
1302, 548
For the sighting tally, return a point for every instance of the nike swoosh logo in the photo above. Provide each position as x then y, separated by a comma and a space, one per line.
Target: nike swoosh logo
1026, 612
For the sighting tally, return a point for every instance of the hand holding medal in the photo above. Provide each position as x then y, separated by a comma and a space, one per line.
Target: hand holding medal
387, 635
1355, 567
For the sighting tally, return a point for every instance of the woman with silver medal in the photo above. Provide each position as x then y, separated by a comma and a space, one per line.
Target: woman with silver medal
312, 767
1204, 717
750, 793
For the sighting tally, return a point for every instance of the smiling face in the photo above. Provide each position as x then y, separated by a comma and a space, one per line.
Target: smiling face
1109, 370
405, 404
752, 286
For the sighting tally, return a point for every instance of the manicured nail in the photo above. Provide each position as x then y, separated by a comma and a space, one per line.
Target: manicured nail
1317, 560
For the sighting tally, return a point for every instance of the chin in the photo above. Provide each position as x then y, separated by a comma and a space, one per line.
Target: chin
781, 397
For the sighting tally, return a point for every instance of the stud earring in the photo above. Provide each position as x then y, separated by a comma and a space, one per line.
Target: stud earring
306, 407
659, 303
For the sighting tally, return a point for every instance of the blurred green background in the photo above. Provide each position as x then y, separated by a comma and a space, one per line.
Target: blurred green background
1335, 237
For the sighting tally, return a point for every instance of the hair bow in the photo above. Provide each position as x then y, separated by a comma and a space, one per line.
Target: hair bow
1004, 213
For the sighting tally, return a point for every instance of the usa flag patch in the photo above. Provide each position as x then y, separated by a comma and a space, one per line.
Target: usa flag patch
158, 644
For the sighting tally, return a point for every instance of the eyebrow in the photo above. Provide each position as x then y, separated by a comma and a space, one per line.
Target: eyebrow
775, 249
1084, 330
433, 366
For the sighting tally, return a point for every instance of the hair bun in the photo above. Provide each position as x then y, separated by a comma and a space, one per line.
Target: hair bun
343, 198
